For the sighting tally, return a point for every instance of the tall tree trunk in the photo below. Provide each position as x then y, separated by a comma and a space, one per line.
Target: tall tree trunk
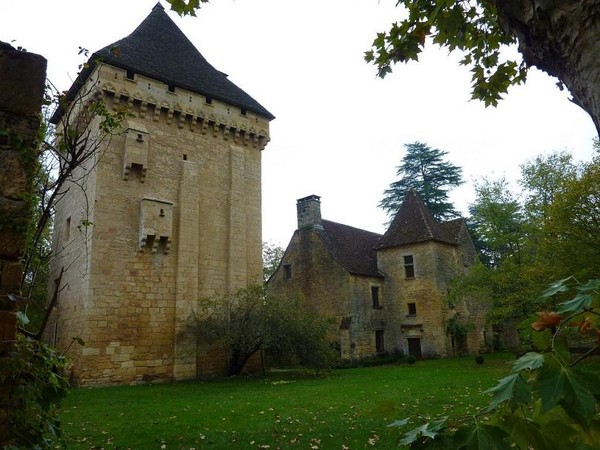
562, 38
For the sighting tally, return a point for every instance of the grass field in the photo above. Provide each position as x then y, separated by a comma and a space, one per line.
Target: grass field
346, 409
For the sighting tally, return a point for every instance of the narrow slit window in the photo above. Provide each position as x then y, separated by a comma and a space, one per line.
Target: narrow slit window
412, 309
379, 341
287, 271
375, 297
409, 266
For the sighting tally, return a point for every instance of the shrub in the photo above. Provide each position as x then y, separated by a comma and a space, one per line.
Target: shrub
479, 359
32, 385
411, 359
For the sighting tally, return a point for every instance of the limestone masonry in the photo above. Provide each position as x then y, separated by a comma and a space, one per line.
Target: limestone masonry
386, 293
169, 212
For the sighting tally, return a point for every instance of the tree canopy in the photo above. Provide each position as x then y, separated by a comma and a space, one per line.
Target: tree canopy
558, 37
425, 170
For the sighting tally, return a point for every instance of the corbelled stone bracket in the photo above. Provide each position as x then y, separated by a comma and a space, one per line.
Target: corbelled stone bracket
156, 225
135, 157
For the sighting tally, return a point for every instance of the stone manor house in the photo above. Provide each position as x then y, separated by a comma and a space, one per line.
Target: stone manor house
174, 205
385, 292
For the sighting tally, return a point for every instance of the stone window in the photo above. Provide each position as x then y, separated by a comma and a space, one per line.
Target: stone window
379, 341
409, 266
375, 297
412, 309
287, 271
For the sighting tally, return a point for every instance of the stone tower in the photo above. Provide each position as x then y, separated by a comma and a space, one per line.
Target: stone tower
170, 211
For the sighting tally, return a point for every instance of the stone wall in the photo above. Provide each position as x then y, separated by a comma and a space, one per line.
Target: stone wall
22, 81
327, 288
175, 206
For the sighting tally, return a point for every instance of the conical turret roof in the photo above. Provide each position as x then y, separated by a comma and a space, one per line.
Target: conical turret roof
413, 223
158, 49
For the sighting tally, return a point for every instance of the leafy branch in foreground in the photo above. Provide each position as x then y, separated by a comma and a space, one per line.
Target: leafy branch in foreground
550, 400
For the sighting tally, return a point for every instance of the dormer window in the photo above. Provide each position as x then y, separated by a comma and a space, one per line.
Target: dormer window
208, 100
244, 111
130, 75
171, 88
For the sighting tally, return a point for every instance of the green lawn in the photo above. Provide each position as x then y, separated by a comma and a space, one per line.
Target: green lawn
345, 409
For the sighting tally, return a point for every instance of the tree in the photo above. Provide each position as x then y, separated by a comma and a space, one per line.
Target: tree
545, 177
558, 37
272, 255
248, 321
496, 222
424, 169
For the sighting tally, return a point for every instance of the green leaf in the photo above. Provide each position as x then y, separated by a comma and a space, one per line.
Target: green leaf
398, 423
512, 388
22, 318
560, 384
481, 437
530, 361
429, 430
580, 302
556, 287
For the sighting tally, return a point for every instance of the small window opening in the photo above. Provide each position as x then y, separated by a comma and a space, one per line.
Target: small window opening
287, 271
162, 213
412, 309
116, 76
149, 85
171, 88
190, 99
130, 74
208, 100
244, 111
375, 297
409, 266
140, 137
185, 157
379, 341
68, 229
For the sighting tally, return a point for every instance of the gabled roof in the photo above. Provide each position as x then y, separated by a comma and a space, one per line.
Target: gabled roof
413, 223
158, 49
351, 247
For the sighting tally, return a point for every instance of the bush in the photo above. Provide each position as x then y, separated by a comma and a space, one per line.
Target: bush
32, 385
411, 359
479, 359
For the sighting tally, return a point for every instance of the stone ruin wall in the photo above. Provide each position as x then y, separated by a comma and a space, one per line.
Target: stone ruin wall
22, 81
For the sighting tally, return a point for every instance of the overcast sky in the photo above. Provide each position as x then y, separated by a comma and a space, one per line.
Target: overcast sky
339, 131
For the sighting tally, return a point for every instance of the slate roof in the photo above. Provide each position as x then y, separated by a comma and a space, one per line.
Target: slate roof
414, 223
352, 247
452, 228
158, 49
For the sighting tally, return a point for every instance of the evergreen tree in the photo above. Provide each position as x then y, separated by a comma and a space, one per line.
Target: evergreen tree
424, 169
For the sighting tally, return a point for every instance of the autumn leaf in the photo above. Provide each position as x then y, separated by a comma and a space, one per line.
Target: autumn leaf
546, 320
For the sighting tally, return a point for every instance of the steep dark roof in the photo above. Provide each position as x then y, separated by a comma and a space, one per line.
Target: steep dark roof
352, 247
452, 228
413, 223
158, 49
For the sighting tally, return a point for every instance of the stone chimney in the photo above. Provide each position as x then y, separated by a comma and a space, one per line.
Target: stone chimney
309, 211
